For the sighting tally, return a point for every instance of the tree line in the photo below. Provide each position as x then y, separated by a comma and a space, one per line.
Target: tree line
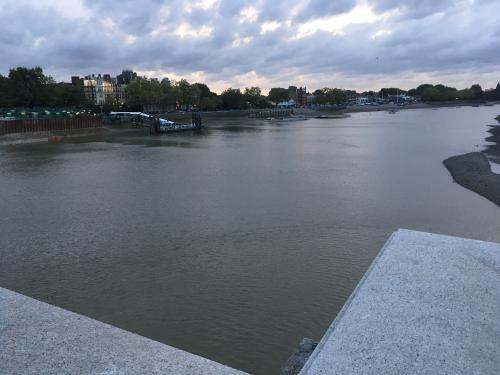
181, 94
25, 87
432, 93
30, 87
425, 92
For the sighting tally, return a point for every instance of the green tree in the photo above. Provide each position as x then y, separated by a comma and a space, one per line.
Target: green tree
182, 88
440, 93
337, 96
253, 96
232, 99
5, 92
168, 93
207, 100
204, 91
142, 91
29, 87
209, 104
278, 94
111, 104
477, 91
66, 95
194, 95
386, 91
419, 90
320, 97
330, 96
465, 94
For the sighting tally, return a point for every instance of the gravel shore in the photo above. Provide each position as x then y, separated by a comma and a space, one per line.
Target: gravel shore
473, 171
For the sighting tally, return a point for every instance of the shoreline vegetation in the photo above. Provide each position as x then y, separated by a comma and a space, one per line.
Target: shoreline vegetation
210, 117
313, 112
473, 170
30, 90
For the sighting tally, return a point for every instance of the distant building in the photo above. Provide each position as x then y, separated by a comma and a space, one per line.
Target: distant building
99, 89
76, 81
287, 104
120, 93
301, 97
400, 98
126, 77
298, 95
362, 100
292, 92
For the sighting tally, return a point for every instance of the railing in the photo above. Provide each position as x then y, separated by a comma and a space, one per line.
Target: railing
49, 124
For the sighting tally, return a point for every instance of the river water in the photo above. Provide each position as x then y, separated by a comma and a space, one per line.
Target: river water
236, 242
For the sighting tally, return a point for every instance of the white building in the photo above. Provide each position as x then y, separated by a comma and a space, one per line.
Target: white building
361, 100
96, 89
287, 104
101, 89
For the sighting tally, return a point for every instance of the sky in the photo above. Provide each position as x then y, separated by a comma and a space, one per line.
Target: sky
355, 44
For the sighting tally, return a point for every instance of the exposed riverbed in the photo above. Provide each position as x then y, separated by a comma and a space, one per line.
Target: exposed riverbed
238, 241
479, 171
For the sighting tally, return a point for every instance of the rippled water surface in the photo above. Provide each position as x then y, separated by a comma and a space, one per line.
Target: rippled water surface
236, 242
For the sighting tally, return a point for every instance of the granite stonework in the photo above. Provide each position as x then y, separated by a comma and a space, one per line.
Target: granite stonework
429, 304
38, 338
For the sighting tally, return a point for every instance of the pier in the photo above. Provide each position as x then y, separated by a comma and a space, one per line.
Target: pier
156, 125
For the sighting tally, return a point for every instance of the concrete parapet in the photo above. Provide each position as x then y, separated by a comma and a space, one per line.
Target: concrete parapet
429, 304
38, 338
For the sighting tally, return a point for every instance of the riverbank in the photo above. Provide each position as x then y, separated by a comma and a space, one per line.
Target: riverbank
108, 133
42, 136
210, 116
313, 112
493, 151
473, 171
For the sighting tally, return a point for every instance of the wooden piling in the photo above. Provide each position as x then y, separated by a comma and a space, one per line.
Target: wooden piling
49, 124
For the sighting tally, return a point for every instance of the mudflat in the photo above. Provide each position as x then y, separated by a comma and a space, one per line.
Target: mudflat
473, 171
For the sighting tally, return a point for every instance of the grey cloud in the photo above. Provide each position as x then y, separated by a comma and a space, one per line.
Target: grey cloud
232, 8
134, 17
425, 37
416, 9
276, 10
323, 8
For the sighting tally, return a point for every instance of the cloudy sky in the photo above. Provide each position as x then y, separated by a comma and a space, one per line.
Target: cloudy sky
359, 44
